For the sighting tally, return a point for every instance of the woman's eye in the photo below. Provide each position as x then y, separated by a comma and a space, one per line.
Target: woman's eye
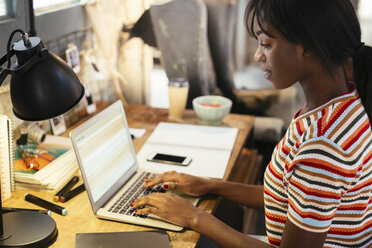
264, 45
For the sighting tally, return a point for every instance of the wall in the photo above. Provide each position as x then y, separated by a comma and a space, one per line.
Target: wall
132, 60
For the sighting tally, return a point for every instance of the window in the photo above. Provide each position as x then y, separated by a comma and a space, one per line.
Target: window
54, 19
365, 18
12, 16
44, 5
2, 8
365, 9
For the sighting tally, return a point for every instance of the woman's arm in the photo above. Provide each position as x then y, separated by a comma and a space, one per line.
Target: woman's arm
249, 195
180, 211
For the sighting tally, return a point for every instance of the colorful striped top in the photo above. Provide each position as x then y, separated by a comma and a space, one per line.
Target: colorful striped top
320, 175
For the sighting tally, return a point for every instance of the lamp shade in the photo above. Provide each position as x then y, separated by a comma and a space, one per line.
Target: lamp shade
42, 85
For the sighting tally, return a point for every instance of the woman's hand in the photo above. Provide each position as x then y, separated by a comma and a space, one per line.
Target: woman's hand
170, 207
191, 185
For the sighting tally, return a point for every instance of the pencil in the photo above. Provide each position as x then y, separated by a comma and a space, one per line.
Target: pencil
45, 204
67, 187
67, 196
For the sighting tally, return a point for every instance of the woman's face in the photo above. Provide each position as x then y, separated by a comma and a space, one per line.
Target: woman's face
281, 61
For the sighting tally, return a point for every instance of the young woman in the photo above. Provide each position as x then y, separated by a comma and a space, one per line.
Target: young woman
317, 188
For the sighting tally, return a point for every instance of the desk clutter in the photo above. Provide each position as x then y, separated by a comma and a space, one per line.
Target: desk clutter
45, 166
80, 220
66, 193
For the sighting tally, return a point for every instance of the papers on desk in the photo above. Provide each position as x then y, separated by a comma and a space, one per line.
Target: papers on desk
136, 132
209, 147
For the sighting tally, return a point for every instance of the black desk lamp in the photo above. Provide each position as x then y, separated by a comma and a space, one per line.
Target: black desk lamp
42, 86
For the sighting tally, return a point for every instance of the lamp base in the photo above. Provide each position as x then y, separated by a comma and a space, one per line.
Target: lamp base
28, 229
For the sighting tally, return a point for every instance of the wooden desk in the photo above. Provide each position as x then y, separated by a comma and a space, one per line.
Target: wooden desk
80, 218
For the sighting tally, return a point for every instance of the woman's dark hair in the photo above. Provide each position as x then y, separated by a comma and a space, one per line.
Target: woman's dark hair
328, 28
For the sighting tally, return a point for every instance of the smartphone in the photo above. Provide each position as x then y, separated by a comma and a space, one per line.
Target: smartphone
169, 159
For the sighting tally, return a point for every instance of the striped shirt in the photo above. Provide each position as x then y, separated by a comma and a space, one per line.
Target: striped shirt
320, 175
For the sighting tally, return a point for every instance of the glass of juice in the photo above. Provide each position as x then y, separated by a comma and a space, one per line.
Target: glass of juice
178, 89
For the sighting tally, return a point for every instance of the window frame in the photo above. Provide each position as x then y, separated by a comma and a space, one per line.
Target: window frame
61, 26
49, 25
15, 19
9, 10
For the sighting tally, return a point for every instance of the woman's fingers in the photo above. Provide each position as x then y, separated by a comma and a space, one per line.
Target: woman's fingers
152, 200
167, 206
170, 186
147, 211
165, 177
188, 184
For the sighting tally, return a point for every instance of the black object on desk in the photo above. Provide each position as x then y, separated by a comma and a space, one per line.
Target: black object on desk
40, 228
48, 81
66, 188
145, 239
68, 195
45, 204
8, 210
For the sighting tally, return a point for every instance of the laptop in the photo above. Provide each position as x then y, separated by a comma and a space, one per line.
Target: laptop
108, 164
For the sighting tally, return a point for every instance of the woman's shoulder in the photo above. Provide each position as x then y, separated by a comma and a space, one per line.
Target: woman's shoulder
336, 113
341, 121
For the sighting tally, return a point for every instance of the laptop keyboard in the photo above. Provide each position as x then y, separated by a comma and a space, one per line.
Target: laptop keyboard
135, 191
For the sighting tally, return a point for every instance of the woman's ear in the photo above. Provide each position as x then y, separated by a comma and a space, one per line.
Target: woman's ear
306, 51
303, 51
349, 69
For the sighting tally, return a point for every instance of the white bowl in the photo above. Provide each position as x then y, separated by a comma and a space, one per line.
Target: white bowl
211, 109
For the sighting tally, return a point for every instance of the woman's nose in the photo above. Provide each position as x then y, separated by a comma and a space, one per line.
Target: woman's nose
259, 56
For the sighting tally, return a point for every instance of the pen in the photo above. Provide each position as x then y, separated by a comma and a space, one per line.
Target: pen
45, 204
65, 188
7, 210
67, 196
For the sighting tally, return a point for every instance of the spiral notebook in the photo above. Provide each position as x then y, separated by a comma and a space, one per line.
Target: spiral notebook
6, 157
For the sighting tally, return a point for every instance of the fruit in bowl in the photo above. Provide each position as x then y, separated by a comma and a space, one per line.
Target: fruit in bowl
211, 109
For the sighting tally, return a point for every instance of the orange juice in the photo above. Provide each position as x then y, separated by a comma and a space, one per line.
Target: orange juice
177, 99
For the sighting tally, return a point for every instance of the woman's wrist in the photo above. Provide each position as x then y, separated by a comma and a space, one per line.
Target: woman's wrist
214, 186
210, 186
197, 218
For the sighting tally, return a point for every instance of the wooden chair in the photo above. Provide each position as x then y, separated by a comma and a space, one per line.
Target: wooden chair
180, 28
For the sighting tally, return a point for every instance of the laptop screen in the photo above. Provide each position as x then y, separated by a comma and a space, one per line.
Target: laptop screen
104, 150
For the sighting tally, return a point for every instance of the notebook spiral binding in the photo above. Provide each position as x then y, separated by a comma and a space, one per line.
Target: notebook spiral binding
6, 157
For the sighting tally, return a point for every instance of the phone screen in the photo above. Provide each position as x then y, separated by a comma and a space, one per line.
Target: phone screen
170, 158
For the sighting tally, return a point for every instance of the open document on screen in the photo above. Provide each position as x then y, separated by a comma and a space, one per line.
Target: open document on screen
101, 149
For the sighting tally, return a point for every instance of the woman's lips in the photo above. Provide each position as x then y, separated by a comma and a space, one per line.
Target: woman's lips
267, 74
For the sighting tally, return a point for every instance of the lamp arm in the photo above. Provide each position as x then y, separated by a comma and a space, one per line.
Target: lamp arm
25, 67
4, 58
5, 71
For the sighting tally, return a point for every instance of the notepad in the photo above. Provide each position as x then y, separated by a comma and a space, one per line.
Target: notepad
209, 147
146, 239
6, 157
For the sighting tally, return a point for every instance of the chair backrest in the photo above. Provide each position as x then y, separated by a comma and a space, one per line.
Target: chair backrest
180, 28
221, 28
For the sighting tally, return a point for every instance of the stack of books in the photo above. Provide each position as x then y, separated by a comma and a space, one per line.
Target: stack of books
47, 166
